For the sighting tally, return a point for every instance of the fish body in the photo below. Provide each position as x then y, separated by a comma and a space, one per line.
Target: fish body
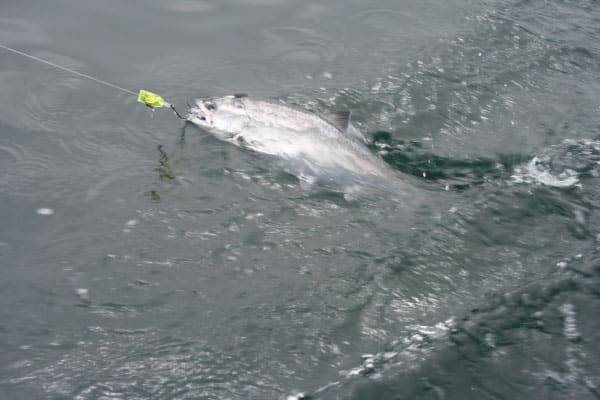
318, 145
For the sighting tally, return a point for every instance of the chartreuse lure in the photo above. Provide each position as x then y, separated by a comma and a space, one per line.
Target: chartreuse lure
151, 99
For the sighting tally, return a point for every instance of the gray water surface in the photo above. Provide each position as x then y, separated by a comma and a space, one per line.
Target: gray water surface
198, 270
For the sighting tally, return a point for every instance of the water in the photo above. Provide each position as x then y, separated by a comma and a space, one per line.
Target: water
202, 271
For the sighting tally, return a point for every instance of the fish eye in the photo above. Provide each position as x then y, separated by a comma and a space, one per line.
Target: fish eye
210, 106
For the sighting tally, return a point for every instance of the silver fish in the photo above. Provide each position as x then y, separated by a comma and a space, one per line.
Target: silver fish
319, 145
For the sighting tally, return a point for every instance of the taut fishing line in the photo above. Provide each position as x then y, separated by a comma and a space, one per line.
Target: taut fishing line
145, 97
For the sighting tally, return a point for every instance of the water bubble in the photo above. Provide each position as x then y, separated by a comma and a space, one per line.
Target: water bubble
45, 211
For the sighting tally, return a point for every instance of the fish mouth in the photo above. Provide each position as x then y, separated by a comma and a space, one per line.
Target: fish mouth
195, 113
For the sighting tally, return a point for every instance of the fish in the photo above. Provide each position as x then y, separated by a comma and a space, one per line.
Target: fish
316, 145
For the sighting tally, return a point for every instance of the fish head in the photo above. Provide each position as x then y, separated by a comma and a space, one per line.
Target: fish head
224, 117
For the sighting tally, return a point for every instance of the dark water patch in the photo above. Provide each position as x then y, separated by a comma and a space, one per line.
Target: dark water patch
528, 342
416, 158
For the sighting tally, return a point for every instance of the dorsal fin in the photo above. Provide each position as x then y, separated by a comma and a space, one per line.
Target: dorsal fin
339, 119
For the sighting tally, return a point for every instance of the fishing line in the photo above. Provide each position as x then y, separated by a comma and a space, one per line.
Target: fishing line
68, 70
149, 99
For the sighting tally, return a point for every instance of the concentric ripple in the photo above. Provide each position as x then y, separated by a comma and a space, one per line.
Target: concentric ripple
296, 54
47, 101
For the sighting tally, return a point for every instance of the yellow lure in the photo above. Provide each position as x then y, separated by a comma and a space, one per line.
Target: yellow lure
150, 99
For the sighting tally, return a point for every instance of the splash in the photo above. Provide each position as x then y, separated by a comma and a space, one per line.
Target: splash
564, 165
538, 171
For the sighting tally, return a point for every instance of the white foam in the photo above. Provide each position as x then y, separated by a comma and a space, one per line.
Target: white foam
570, 324
536, 171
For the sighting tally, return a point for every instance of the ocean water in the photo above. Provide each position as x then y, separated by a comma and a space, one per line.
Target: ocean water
144, 259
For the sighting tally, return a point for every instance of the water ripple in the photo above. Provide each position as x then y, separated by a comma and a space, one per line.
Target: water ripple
188, 6
297, 53
13, 30
47, 101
